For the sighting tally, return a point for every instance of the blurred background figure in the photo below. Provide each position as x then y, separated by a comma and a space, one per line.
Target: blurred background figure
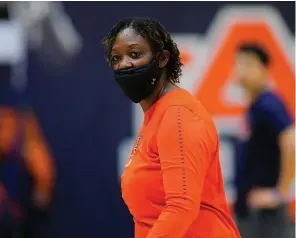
268, 167
27, 173
66, 123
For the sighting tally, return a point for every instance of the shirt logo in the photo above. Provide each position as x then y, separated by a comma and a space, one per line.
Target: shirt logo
134, 150
137, 143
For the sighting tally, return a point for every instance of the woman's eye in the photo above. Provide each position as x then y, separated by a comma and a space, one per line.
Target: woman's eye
114, 59
135, 55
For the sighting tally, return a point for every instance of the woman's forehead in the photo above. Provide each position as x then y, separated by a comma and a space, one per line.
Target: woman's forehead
129, 37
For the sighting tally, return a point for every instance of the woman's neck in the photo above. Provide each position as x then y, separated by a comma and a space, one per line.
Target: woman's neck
162, 88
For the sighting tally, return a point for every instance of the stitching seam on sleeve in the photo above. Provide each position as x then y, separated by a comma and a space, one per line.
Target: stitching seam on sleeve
180, 138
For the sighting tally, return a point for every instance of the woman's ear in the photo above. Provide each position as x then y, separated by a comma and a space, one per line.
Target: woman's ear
164, 58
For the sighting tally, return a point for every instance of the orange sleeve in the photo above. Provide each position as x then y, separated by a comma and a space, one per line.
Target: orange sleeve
8, 128
37, 156
185, 144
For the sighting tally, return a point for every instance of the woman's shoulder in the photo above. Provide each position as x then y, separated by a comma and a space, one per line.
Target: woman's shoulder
181, 98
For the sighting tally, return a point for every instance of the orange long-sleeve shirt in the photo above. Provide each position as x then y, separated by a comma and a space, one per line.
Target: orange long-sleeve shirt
173, 183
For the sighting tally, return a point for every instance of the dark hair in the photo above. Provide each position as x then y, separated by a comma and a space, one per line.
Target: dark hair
256, 49
158, 37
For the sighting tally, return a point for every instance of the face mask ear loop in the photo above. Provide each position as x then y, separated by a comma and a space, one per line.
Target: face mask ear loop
158, 55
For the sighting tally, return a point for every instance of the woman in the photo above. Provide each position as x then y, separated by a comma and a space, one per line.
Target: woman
172, 183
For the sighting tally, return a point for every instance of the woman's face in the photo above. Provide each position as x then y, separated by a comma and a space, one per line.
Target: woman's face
130, 50
250, 72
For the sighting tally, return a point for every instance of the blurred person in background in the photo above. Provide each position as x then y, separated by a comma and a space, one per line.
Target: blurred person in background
267, 169
26, 173
173, 182
26, 167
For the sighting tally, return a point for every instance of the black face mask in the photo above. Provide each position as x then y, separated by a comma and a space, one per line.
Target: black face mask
138, 83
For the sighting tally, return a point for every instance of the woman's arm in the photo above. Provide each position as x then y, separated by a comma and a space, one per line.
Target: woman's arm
186, 145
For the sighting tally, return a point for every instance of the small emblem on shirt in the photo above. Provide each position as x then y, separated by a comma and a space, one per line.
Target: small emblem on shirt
136, 146
134, 150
